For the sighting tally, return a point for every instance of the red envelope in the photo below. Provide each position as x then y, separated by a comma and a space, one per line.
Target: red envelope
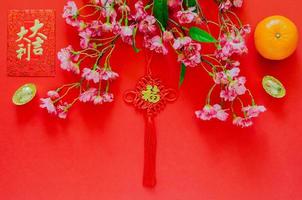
31, 43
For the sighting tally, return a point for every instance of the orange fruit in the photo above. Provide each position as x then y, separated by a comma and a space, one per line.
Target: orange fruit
276, 37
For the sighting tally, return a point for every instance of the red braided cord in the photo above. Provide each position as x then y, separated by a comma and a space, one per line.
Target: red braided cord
151, 109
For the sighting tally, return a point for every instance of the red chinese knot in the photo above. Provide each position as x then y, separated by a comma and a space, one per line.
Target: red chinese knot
151, 97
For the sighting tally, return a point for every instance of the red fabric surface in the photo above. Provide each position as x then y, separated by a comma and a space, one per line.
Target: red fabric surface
97, 153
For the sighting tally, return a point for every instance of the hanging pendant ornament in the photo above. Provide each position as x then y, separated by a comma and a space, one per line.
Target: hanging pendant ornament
150, 96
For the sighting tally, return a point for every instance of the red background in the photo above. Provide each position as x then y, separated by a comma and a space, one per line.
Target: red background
98, 152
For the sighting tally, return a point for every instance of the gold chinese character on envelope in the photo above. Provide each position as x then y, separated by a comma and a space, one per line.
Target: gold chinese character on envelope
31, 43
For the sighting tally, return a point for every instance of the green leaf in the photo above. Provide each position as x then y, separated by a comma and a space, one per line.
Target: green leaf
182, 74
190, 3
201, 35
160, 11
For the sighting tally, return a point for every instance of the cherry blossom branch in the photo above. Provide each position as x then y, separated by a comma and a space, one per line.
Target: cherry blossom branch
176, 26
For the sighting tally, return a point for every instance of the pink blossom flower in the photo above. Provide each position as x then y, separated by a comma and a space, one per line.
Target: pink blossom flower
239, 85
228, 94
104, 98
67, 56
126, 34
109, 11
140, 11
106, 74
234, 72
88, 95
90, 74
186, 16
181, 42
107, 97
242, 122
71, 13
167, 36
48, 104
238, 3
156, 44
230, 44
53, 94
189, 51
190, 55
245, 30
209, 112
85, 38
62, 114
107, 27
223, 77
63, 110
96, 28
147, 25
253, 111
225, 5
97, 99
70, 10
249, 113
116, 28
235, 88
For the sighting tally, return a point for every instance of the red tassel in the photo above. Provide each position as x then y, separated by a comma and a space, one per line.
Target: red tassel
150, 109
149, 179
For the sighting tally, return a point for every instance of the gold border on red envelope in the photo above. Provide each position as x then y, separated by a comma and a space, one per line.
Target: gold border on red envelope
31, 43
